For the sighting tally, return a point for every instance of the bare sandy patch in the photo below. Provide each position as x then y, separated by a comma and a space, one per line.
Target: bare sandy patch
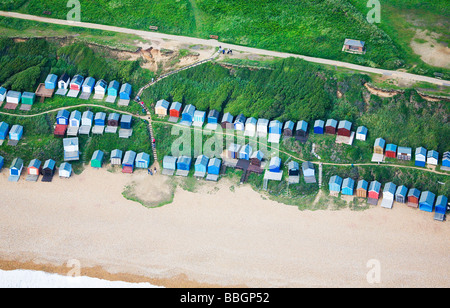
430, 50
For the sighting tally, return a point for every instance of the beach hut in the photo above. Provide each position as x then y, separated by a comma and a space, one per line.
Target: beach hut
62, 117
401, 194
362, 188
214, 166
142, 160
100, 87
2, 162
170, 163
378, 147
318, 126
51, 81
256, 158
184, 163
100, 119
213, 117
441, 205
116, 157
413, 197
2, 94
201, 165
13, 97
446, 160
125, 91
348, 184
302, 129
48, 170
374, 192
175, 110
188, 113
275, 164
250, 126
76, 83
64, 82
293, 168
65, 170
113, 88
16, 167
233, 151
432, 157
245, 152
261, 127
404, 153
239, 122
389, 191
308, 169
71, 149
199, 118
126, 121
88, 85
275, 127
28, 98
88, 118
344, 128
361, 133
162, 107
113, 119
4, 130
426, 201
227, 121
97, 159
391, 150
335, 183
331, 126
75, 118
288, 128
34, 167
16, 132
421, 157
128, 162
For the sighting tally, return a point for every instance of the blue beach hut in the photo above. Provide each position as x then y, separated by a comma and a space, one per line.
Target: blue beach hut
142, 160
128, 162
125, 91
214, 166
125, 121
170, 163
4, 130
201, 164
113, 88
335, 183
188, 113
347, 186
213, 117
184, 163
16, 132
275, 164
318, 126
245, 152
420, 157
51, 81
62, 117
426, 201
441, 204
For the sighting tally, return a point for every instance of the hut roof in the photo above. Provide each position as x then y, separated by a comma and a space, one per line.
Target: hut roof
17, 163
101, 83
240, 119
307, 165
126, 118
63, 114
293, 165
262, 122
345, 125
129, 158
98, 155
354, 43
66, 167
162, 104
88, 115
433, 154
190, 109
143, 157
227, 117
114, 85
258, 155
362, 130
77, 79
391, 147
404, 150
67, 142
49, 164
275, 162
202, 160
213, 114
100, 116
89, 82
113, 116
169, 160
116, 153
427, 197
362, 184
251, 121
421, 151
375, 186
64, 77
380, 142
414, 192
289, 125
125, 88
332, 123
390, 188
402, 190
175, 106
302, 125
35, 163
234, 147
216, 162
348, 183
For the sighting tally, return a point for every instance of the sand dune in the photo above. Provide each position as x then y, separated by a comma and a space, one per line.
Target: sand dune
217, 236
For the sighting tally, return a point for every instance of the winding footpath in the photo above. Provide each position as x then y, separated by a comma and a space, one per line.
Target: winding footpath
215, 43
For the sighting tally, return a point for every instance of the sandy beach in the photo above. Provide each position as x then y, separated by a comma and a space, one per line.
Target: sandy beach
214, 237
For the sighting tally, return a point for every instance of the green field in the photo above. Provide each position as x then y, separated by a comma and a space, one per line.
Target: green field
309, 27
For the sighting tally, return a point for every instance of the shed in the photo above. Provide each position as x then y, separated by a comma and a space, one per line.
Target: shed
378, 147
288, 128
233, 151
49, 168
2, 94
162, 107
64, 81
362, 188
302, 128
175, 109
361, 133
334, 184
100, 119
421, 157
170, 162
184, 163
88, 118
227, 121
125, 91
213, 117
126, 121
389, 191
100, 87
245, 152
65, 170
16, 132
34, 167
142, 160
426, 201
331, 126
344, 128
401, 194
374, 190
413, 197
97, 159
188, 113
76, 83
441, 205
318, 126
308, 169
404, 153
88, 85
199, 118
391, 150
116, 157
51, 81
239, 122
256, 158
71, 149
446, 160
214, 166
250, 126
275, 164
62, 117
113, 88
293, 168
16, 167
113, 119
432, 157
4, 130
13, 97
348, 184
275, 127
128, 162
28, 98
261, 127
201, 164
354, 46
75, 118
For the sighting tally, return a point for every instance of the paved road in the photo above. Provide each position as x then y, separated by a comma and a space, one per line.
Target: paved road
214, 43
